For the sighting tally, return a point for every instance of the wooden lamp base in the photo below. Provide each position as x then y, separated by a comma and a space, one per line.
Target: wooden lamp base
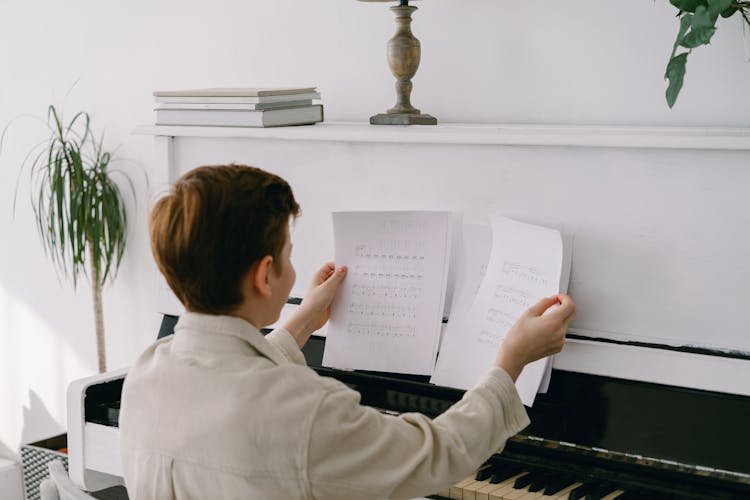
404, 52
402, 119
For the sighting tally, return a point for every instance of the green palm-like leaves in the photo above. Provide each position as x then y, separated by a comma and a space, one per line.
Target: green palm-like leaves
78, 207
697, 26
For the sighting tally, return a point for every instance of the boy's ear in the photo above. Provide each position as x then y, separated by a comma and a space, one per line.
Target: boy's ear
260, 274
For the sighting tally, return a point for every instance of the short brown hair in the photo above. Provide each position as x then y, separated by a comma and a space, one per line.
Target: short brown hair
212, 226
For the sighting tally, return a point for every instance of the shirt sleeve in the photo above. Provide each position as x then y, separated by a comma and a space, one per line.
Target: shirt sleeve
283, 341
357, 452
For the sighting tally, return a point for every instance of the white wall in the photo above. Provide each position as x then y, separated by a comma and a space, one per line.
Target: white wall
580, 61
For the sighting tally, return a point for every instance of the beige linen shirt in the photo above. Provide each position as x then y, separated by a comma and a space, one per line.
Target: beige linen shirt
219, 411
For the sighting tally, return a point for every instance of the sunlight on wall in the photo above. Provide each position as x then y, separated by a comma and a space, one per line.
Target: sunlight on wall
36, 365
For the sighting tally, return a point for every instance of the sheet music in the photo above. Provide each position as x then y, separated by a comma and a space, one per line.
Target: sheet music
564, 282
388, 312
525, 265
473, 251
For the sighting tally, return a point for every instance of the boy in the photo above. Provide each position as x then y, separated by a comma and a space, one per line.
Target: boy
219, 411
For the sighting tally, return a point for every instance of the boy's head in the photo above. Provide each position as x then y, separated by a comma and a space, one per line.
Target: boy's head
213, 225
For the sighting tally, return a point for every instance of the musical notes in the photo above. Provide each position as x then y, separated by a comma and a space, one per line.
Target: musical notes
528, 275
391, 300
492, 338
388, 260
390, 292
513, 297
380, 330
523, 264
502, 319
406, 310
387, 314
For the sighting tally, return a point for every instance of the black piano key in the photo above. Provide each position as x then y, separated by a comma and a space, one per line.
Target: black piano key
581, 491
540, 482
556, 485
484, 472
523, 481
504, 474
635, 495
647, 495
599, 491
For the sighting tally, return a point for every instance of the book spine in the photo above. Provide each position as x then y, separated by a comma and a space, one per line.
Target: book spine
241, 118
232, 106
237, 99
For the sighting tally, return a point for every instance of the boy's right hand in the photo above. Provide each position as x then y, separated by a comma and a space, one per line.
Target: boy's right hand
536, 335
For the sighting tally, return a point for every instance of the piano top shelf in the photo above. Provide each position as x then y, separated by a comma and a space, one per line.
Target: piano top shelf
482, 134
644, 203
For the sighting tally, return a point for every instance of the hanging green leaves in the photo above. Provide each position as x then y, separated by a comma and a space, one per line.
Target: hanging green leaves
697, 27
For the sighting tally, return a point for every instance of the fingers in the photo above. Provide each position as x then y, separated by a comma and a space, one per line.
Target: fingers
324, 273
567, 309
541, 306
335, 278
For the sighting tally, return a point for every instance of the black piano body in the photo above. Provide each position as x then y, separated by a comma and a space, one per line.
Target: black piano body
646, 439
652, 440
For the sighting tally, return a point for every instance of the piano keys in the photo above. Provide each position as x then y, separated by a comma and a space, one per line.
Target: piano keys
533, 469
503, 481
515, 488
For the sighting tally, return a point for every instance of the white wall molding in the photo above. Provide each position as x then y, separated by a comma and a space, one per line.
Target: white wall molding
479, 134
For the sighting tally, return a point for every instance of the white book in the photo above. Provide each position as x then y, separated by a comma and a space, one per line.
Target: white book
501, 271
241, 118
235, 106
235, 91
238, 95
387, 314
238, 100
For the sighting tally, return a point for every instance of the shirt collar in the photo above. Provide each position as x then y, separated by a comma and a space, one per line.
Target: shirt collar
233, 326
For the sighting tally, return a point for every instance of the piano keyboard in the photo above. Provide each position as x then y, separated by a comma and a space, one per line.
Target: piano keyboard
507, 481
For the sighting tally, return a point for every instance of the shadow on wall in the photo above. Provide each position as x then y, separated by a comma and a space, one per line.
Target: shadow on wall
36, 365
6, 452
38, 422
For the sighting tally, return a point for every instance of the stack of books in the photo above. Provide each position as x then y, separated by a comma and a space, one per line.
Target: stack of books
238, 107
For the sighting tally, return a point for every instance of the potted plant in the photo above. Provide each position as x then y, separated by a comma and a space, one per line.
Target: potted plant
697, 26
79, 210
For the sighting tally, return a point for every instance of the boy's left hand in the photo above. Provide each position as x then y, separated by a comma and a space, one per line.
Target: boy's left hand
315, 308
